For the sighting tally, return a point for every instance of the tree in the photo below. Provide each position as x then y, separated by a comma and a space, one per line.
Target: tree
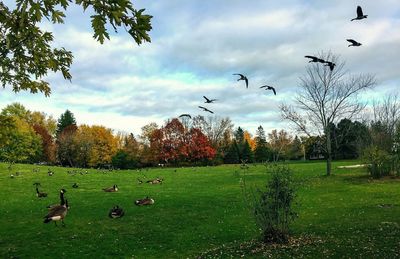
213, 127
199, 146
261, 153
27, 56
296, 149
66, 152
279, 143
66, 119
232, 154
48, 145
21, 144
326, 96
247, 153
247, 137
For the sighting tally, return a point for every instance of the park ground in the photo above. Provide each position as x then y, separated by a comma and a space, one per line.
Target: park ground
198, 212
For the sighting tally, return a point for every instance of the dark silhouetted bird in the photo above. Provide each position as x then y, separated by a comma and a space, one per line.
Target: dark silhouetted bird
185, 115
209, 100
267, 87
360, 14
354, 43
242, 77
330, 64
205, 109
315, 59
75, 185
116, 212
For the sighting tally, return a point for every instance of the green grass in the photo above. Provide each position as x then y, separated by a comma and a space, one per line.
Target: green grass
196, 210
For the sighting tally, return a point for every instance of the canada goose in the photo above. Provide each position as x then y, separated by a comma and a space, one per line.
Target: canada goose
62, 201
155, 181
140, 181
185, 115
49, 172
40, 194
209, 100
315, 59
11, 176
330, 64
56, 214
75, 185
354, 43
145, 201
205, 109
114, 188
360, 14
116, 212
267, 87
242, 77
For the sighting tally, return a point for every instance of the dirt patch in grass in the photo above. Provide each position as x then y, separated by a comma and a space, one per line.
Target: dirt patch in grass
257, 248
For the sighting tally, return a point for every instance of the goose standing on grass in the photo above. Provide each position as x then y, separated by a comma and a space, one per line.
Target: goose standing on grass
144, 202
242, 77
62, 200
56, 214
114, 188
360, 14
75, 185
116, 212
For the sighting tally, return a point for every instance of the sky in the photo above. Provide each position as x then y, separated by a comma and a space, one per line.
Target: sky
196, 47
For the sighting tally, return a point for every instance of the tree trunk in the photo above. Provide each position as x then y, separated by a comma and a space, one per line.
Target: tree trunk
328, 151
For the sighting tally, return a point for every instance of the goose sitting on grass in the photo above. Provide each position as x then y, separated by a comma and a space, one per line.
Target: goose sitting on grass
116, 212
57, 213
114, 188
40, 194
145, 201
155, 181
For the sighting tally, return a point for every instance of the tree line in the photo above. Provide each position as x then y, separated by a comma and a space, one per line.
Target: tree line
33, 137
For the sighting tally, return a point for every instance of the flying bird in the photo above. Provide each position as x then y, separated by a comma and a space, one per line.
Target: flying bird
185, 115
205, 109
242, 77
209, 100
315, 59
330, 64
360, 14
354, 43
267, 87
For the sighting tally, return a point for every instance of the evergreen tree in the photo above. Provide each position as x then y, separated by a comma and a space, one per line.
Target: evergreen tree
247, 153
261, 153
66, 119
296, 149
239, 135
232, 154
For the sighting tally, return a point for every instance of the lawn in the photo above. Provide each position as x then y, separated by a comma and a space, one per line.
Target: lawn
197, 211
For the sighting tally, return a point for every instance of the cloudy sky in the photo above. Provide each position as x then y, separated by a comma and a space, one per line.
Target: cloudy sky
196, 47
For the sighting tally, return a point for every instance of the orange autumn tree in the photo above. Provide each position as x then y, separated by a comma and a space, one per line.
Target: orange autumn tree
252, 142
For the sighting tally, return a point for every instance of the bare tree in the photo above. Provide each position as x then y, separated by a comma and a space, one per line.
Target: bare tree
326, 96
386, 118
213, 127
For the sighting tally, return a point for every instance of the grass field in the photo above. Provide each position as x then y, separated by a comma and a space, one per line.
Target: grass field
197, 211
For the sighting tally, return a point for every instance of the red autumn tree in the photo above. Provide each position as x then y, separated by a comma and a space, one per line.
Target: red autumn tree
199, 146
49, 148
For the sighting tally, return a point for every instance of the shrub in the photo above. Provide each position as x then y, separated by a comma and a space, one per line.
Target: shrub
272, 207
380, 161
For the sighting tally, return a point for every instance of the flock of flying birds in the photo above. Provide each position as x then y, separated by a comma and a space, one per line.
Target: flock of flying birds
330, 64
